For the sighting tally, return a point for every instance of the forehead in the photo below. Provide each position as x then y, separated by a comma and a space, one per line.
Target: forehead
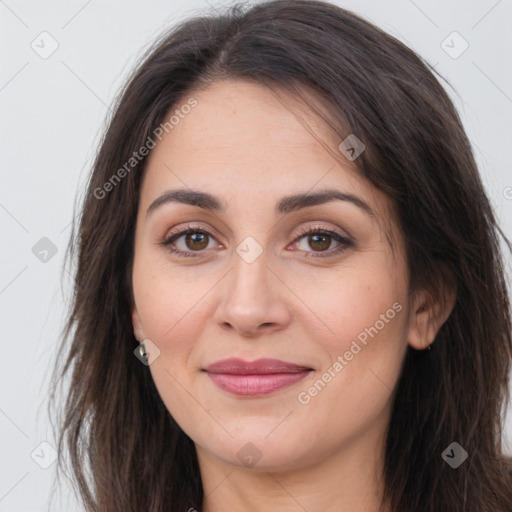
249, 144
237, 121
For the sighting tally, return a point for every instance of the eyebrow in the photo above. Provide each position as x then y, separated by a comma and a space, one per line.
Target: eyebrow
285, 205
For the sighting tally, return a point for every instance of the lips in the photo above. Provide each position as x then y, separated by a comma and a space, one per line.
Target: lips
255, 378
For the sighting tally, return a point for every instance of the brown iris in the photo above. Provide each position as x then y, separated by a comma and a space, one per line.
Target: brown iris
199, 241
321, 244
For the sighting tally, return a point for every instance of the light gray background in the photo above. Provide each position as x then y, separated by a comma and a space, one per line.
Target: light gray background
52, 113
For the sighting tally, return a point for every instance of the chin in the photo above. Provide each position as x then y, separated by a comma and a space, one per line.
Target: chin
254, 448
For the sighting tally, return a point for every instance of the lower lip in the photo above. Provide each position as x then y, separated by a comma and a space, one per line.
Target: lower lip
256, 385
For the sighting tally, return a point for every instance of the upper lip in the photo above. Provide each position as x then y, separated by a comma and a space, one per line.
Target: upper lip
237, 366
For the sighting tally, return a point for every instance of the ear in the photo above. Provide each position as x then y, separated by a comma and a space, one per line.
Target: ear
137, 325
429, 313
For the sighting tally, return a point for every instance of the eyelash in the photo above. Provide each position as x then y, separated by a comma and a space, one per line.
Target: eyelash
343, 241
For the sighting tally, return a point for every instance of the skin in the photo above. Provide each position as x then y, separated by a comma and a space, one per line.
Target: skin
244, 145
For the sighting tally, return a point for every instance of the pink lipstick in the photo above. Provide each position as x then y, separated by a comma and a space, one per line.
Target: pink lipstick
255, 378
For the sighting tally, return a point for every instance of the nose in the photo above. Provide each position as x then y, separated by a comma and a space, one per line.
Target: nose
253, 298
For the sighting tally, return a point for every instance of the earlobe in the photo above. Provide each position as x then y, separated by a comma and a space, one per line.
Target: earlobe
427, 317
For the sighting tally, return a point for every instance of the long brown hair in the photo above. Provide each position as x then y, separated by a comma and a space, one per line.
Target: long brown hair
125, 451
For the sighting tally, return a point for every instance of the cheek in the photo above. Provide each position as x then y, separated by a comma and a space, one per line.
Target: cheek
351, 302
172, 316
365, 344
169, 300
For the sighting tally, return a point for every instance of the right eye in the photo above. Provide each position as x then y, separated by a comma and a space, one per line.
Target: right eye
195, 240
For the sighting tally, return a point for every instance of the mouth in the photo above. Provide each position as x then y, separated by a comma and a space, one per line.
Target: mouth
255, 378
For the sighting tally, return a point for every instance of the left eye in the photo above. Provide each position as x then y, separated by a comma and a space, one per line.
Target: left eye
320, 240
195, 240
316, 241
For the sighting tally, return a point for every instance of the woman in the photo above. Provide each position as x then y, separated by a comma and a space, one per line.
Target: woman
286, 225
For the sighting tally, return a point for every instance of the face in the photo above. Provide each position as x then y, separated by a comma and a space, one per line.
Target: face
311, 292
